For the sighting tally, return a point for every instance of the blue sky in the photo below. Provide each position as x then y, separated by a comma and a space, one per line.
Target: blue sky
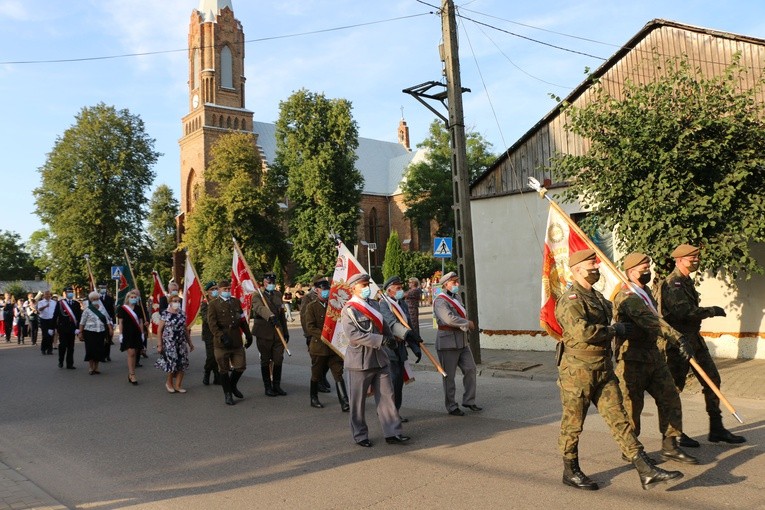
510, 77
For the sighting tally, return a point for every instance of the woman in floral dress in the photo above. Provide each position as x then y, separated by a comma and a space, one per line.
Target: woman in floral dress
174, 345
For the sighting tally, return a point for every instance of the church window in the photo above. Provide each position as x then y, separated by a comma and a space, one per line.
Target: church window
228, 122
226, 69
236, 123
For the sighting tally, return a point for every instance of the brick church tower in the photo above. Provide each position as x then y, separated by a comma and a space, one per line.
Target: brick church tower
216, 97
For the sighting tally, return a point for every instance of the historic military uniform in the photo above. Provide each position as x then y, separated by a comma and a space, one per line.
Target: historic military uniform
227, 322
586, 375
268, 317
640, 366
307, 299
322, 356
66, 317
395, 346
679, 303
453, 348
367, 366
211, 366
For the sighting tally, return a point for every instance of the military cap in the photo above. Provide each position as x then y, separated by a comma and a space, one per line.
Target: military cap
68, 288
448, 276
269, 277
316, 279
358, 278
224, 283
580, 256
684, 250
634, 259
210, 285
393, 280
322, 284
101, 285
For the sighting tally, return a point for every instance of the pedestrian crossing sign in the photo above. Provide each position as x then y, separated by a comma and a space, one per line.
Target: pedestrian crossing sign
442, 247
116, 272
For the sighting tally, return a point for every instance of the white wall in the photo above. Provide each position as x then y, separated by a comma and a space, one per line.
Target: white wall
508, 234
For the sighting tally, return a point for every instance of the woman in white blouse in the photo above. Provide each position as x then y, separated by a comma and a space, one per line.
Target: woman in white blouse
94, 325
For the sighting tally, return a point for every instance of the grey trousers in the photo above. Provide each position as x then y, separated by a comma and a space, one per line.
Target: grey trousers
359, 382
450, 360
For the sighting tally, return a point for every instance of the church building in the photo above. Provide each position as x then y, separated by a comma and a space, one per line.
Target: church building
216, 84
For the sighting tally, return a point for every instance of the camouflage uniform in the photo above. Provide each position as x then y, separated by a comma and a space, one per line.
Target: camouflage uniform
679, 302
586, 372
640, 366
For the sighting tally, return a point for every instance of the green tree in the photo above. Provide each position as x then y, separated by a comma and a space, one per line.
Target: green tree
15, 262
92, 195
162, 230
394, 258
316, 139
419, 265
428, 190
238, 200
676, 160
37, 245
278, 270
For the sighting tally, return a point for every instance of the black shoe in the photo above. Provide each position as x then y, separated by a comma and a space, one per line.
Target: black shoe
670, 451
457, 412
403, 420
216, 378
366, 443
270, 392
60, 364
725, 436
206, 379
399, 439
138, 365
650, 475
71, 368
474, 408
687, 442
574, 477
324, 388
229, 399
234, 378
314, 391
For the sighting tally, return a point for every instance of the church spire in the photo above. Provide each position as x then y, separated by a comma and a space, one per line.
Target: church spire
211, 8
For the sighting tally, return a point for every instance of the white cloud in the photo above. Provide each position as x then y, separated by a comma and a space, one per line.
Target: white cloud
14, 10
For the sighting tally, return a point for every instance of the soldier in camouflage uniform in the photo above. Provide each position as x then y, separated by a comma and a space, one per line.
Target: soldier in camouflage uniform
679, 302
586, 375
640, 366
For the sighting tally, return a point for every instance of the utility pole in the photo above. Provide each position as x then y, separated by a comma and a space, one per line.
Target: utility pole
463, 225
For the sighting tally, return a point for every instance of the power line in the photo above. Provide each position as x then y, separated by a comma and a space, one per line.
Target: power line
161, 52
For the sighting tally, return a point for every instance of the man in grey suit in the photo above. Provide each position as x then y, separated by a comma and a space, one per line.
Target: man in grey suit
394, 307
367, 364
452, 344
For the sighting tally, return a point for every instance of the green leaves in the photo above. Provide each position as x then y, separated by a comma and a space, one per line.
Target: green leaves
676, 160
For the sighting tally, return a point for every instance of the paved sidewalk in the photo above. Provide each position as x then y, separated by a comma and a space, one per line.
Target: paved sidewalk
18, 493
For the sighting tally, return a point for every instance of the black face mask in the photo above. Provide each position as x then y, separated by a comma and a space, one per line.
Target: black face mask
593, 275
645, 277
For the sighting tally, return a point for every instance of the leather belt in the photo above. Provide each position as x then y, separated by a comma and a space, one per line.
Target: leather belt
448, 328
597, 352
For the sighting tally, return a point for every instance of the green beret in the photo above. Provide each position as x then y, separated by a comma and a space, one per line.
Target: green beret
634, 259
580, 256
210, 285
684, 250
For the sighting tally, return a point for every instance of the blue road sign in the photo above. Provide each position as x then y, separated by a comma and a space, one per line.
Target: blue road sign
442, 247
116, 272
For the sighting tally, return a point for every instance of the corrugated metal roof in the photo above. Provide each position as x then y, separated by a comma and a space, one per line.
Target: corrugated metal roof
382, 164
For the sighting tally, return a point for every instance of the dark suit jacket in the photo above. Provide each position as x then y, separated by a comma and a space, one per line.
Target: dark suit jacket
63, 321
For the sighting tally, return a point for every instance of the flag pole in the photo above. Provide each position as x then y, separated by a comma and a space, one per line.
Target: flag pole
143, 308
535, 184
403, 321
257, 287
90, 273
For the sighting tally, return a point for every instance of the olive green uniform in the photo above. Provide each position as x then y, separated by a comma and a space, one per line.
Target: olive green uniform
267, 339
207, 337
640, 366
586, 372
322, 356
224, 317
679, 302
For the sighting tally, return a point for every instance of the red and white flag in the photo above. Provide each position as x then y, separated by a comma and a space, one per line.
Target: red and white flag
346, 266
157, 291
560, 242
192, 292
242, 286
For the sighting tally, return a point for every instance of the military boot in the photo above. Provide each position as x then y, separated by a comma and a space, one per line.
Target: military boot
216, 376
278, 380
226, 384
670, 451
687, 442
719, 433
267, 380
206, 378
235, 376
650, 475
573, 476
342, 396
315, 396
324, 386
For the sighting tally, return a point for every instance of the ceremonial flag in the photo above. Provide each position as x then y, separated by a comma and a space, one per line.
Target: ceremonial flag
345, 267
192, 292
125, 284
560, 241
242, 286
157, 291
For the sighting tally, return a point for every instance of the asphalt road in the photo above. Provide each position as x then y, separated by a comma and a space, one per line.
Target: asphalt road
99, 442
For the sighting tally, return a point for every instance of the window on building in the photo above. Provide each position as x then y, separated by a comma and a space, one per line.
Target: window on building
226, 68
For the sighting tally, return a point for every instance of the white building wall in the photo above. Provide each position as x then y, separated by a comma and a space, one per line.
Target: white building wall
508, 234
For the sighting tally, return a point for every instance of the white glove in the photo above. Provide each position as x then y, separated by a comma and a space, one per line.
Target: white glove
50, 332
120, 338
76, 331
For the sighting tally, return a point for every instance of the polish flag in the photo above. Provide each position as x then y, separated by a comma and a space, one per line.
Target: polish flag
242, 286
157, 291
192, 292
560, 242
346, 266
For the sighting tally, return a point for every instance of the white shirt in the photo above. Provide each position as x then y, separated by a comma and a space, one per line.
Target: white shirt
46, 313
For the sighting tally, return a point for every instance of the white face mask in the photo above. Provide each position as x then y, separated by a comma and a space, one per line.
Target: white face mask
175, 305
